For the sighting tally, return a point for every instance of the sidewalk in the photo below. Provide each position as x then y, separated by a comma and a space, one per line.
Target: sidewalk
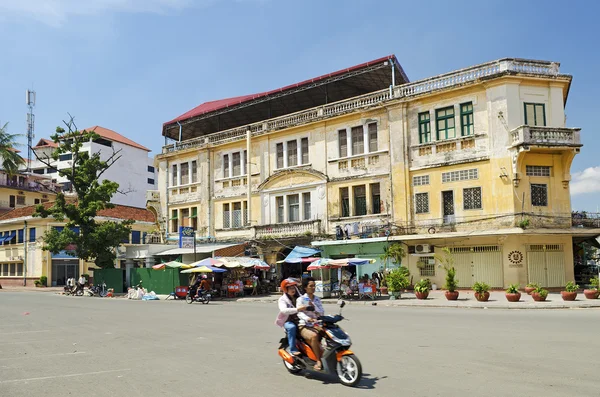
465, 300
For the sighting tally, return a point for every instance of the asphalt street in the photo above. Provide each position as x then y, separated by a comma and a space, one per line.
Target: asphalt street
53, 345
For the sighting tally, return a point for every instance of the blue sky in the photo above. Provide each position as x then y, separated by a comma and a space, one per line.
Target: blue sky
130, 65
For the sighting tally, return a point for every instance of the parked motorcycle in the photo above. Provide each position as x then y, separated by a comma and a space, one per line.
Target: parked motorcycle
203, 297
337, 358
99, 290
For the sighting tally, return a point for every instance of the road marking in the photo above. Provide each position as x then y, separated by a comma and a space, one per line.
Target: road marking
64, 376
24, 332
28, 341
42, 356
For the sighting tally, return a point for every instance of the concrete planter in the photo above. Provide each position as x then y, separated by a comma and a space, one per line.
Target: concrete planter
568, 296
451, 296
513, 297
591, 293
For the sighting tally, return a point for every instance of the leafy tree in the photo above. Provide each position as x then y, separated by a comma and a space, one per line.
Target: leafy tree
10, 158
96, 241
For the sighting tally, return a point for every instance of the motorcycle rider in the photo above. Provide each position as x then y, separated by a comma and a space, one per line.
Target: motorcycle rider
309, 329
288, 313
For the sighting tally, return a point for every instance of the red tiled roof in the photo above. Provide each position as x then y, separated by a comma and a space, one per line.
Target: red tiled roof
45, 143
212, 106
115, 136
118, 212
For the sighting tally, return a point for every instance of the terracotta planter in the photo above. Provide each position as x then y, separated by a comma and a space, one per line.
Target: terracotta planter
537, 297
513, 297
529, 290
482, 297
421, 295
591, 293
568, 296
451, 296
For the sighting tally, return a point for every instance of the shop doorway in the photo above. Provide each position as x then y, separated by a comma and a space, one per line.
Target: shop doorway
63, 270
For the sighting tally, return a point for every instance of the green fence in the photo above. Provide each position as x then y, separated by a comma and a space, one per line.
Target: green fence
160, 281
114, 278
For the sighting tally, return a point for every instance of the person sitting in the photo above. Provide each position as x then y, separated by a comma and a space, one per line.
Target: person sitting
205, 284
309, 329
288, 313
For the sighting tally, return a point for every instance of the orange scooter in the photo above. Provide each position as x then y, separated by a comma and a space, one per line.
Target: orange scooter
337, 358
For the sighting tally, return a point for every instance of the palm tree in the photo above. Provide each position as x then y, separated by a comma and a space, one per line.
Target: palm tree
10, 158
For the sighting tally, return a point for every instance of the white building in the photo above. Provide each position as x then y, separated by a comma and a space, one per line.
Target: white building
133, 171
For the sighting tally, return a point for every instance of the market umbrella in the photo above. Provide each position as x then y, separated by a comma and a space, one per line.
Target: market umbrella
175, 264
209, 262
200, 269
160, 266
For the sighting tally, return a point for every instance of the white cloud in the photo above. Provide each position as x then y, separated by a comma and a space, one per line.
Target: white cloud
586, 181
57, 12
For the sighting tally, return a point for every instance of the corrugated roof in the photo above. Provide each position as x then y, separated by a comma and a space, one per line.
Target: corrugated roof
115, 136
212, 106
45, 143
118, 212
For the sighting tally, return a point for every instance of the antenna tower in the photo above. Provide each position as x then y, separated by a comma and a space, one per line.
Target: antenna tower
30, 100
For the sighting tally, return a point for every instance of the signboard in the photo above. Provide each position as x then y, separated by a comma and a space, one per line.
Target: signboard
187, 237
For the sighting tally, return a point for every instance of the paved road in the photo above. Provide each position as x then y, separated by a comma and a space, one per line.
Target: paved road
115, 347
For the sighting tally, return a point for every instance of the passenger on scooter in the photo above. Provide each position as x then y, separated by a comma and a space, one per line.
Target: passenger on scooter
205, 284
309, 328
288, 313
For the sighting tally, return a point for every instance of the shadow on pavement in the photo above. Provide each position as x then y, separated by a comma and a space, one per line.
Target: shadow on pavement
367, 382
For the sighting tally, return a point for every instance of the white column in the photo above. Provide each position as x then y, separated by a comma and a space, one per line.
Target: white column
128, 267
149, 261
349, 140
365, 138
178, 174
243, 162
230, 158
285, 157
189, 172
299, 151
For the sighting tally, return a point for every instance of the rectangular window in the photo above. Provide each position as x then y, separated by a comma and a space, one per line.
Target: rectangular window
20, 234
195, 218
237, 215
463, 175
535, 114
306, 205
20, 200
4, 269
466, 118
539, 195
36, 201
19, 269
422, 203
424, 128
40, 171
304, 150
12, 201
226, 166
174, 222
360, 200
421, 180
32, 235
426, 265
151, 169
185, 217
194, 171
136, 237
472, 198
537, 170
150, 181
445, 123
358, 140
343, 143
280, 209
237, 163
226, 217
245, 213
174, 178
65, 157
279, 151
293, 208
292, 153
344, 202
375, 198
13, 269
185, 173
373, 137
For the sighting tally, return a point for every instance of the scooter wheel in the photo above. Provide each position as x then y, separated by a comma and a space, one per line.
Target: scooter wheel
292, 369
206, 301
188, 299
103, 294
349, 370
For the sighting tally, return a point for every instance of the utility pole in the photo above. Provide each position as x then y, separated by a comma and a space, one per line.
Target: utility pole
25, 253
30, 100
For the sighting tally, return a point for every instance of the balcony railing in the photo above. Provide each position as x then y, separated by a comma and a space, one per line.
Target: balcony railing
545, 136
183, 198
153, 238
377, 98
586, 219
289, 229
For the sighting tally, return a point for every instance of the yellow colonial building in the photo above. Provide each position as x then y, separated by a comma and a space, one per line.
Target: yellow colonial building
476, 159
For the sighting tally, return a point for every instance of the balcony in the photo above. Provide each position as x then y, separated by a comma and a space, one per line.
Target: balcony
457, 78
289, 229
545, 136
586, 219
153, 195
184, 198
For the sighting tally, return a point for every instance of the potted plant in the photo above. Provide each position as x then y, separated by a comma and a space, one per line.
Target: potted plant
397, 281
512, 293
422, 289
37, 283
383, 286
482, 291
539, 294
570, 292
530, 287
447, 260
43, 281
593, 292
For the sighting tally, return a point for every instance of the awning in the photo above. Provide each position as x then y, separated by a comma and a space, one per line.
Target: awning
300, 252
8, 238
200, 249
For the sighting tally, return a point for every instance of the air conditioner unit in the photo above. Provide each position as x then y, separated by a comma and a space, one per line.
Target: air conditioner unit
422, 249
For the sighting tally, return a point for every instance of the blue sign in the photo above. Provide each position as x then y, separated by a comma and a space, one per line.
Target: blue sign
187, 237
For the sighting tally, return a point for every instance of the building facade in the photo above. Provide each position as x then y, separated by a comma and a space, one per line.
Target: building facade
476, 159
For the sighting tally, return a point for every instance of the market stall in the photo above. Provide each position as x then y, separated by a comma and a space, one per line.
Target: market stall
330, 277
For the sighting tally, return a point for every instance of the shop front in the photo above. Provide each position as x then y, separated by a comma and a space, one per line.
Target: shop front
64, 266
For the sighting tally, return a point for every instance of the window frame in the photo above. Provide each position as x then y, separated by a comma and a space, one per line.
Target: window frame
306, 206
539, 185
355, 197
424, 124
283, 155
422, 194
469, 189
344, 202
375, 198
445, 118
535, 121
290, 206
470, 117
